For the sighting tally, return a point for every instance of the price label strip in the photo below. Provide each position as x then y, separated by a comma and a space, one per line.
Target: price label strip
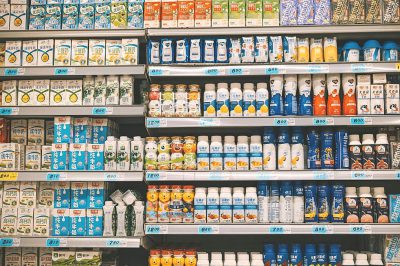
322, 229
213, 72
360, 121
102, 111
10, 242
64, 71
11, 72
323, 175
156, 176
112, 176
263, 176
284, 122
56, 242
361, 175
9, 111
313, 69
56, 176
278, 230
360, 229
323, 121
359, 68
8, 176
215, 176
208, 229
116, 243
155, 229
152, 122
156, 72
209, 122
274, 70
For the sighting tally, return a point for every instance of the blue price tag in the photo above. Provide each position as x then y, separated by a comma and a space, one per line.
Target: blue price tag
319, 229
53, 177
358, 68
320, 175
52, 242
357, 229
111, 176
153, 122
61, 71
6, 111
271, 71
207, 122
361, 175
276, 230
6, 242
113, 243
281, 122
357, 121
397, 175
263, 176
205, 230
211, 72
215, 176
153, 229
235, 71
99, 110
11, 72
156, 72
152, 176
320, 121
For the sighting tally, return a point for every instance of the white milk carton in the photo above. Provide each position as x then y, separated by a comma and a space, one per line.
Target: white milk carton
392, 92
33, 156
94, 219
45, 52
58, 92
27, 194
112, 90
5, 16
9, 93
42, 91
41, 222
130, 51
100, 90
49, 135
63, 129
78, 222
18, 17
70, 16
61, 222
123, 154
113, 52
110, 154
46, 158
29, 53
19, 131
74, 92
8, 222
80, 52
46, 195
126, 89
62, 52
26, 93
36, 132
45, 257
13, 257
79, 195
11, 195
13, 53
77, 157
88, 91
10, 157
25, 221
59, 156
95, 154
377, 100
97, 52
363, 99
29, 256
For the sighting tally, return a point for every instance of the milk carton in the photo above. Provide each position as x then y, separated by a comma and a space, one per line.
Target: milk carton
62, 195
126, 90
58, 92
9, 221
29, 256
202, 13
130, 51
41, 222
5, 16
60, 222
70, 17
49, 132
45, 257
254, 13
13, 53
220, 13
88, 91
237, 13
100, 130
9, 93
59, 156
377, 100
95, 154
79, 56
89, 257
10, 157
27, 196
185, 13
46, 195
74, 92
53, 17
94, 220
62, 256
33, 157
12, 257
102, 16
11, 194
29, 53
37, 17
26, 93
19, 131
62, 52
95, 194
123, 154
42, 91
113, 52
25, 221
36, 132
46, 158
63, 130
135, 14
79, 195
100, 90
97, 52
45, 52
112, 91
82, 130
119, 15
86, 16
18, 17
78, 222
305, 11
152, 13
363, 99
392, 98
77, 157
288, 12
2, 53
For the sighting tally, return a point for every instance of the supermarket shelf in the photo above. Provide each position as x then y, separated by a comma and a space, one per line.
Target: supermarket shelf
71, 176
269, 229
39, 34
215, 70
70, 242
338, 30
378, 120
54, 71
271, 175
50, 111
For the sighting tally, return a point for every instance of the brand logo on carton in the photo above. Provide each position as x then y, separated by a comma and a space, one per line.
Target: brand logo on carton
77, 146
60, 212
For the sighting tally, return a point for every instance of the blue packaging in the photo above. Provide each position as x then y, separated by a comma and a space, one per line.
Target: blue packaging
290, 49
100, 130
305, 12
337, 208
70, 17
102, 17
181, 51
195, 51
372, 51
62, 195
135, 14
37, 17
63, 130
61, 222
221, 51
322, 12
79, 195
282, 257
288, 12
335, 255
153, 52
305, 99
310, 255
296, 256
78, 222
276, 101
269, 136
209, 51
310, 199
59, 156
94, 222
327, 157
247, 51
95, 157
321, 255
53, 17
342, 160
167, 51
269, 256
313, 157
95, 194
290, 100
261, 49
235, 50
390, 51
274, 210
77, 157
394, 208
82, 129
86, 16
324, 203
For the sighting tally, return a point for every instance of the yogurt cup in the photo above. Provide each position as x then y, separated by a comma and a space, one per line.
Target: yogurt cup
351, 52
390, 51
372, 51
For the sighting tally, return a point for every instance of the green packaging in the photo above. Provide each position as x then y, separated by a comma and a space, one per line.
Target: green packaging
119, 15
254, 13
220, 13
237, 13
270, 12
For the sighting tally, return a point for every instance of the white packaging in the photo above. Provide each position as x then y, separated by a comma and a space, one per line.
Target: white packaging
256, 153
112, 90
27, 197
123, 154
363, 79
212, 205
46, 194
130, 51
10, 157
263, 202
13, 257
298, 203
392, 92
49, 135
45, 257
137, 154
379, 78
45, 52
377, 100
25, 221
100, 90
33, 157
242, 155
41, 222
126, 89
41, 92
58, 93
238, 205
286, 208
74, 92
88, 91
9, 221
9, 93
36, 132
5, 16
30, 256
46, 158
284, 156
62, 52
225, 203
200, 201
19, 133
30, 53
26, 93
18, 17
13, 53
11, 194
250, 205
110, 154
97, 52
363, 99
113, 52
79, 54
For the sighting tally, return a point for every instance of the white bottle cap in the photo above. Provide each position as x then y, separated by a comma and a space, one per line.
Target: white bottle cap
256, 256
108, 203
376, 259
382, 138
226, 190
235, 86
262, 85
251, 190
248, 86
243, 257
139, 203
348, 259
362, 259
123, 138
200, 190
202, 138
238, 190
351, 191
222, 85
110, 138
255, 139
379, 191
212, 190
210, 87
216, 256
354, 138
137, 138
367, 137
364, 191
216, 139
229, 139
230, 256
202, 256
243, 139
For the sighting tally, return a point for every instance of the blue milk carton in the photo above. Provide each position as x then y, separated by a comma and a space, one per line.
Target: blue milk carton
135, 14
82, 130
322, 12
79, 195
70, 17
78, 222
100, 130
94, 222
63, 130
86, 16
288, 12
55, 2
60, 222
53, 17
102, 16
59, 156
95, 194
37, 17
62, 195
95, 157
305, 12
77, 157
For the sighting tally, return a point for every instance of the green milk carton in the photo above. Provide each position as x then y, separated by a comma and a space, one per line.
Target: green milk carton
237, 13
220, 13
254, 13
270, 13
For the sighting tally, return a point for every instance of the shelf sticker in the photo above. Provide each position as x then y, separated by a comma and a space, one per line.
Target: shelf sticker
360, 175
56, 242
9, 111
360, 229
276, 229
263, 176
283, 122
322, 229
11, 72
398, 66
155, 176
155, 229
209, 122
359, 68
272, 71
211, 72
102, 111
397, 175
215, 176
63, 71
208, 229
360, 121
319, 175
9, 242
156, 72
51, 176
236, 71
8, 176
323, 121
111, 176
116, 243
313, 69
152, 122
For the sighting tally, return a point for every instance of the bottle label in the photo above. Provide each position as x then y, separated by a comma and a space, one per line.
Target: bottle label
238, 213
351, 207
366, 210
355, 157
368, 157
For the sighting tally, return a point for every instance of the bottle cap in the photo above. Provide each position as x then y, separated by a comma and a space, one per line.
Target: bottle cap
203, 138
379, 191
202, 256
251, 190
212, 190
248, 86
200, 190
229, 139
124, 138
351, 190
226, 190
235, 86
243, 139
222, 85
216, 256
255, 139
230, 256
354, 137
216, 139
262, 85
364, 190
368, 137
361, 256
243, 257
137, 138
238, 190
210, 87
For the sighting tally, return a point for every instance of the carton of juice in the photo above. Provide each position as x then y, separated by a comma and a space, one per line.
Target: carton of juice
95, 194
41, 222
119, 15
37, 17
45, 256
113, 52
254, 13
95, 154
126, 90
152, 13
70, 17
202, 13
305, 11
169, 13
53, 17
25, 221
42, 91
220, 13
11, 194
130, 51
102, 18
19, 131
45, 52
46, 158
94, 222
392, 92
288, 12
29, 256
77, 157
58, 92
33, 157
100, 130
12, 256
29, 53
86, 16
237, 13
82, 130
13, 53
46, 195
62, 52
74, 92
78, 222
79, 54
59, 156
377, 100
185, 13
112, 91
97, 52
18, 17
62, 195
135, 14
79, 195
49, 131
35, 132
9, 93
26, 93
4, 16
60, 222
9, 221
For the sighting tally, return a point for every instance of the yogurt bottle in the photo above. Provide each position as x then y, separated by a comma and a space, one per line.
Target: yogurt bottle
297, 149
286, 203
284, 153
390, 51
203, 154
355, 152
229, 153
210, 100
366, 206
249, 100
250, 205
305, 100
269, 149
263, 202
298, 203
242, 156
236, 100
262, 100
351, 52
238, 205
256, 153
225, 202
351, 205
212, 205
368, 151
200, 203
274, 205
276, 102
372, 51
290, 100
381, 207
216, 153
223, 104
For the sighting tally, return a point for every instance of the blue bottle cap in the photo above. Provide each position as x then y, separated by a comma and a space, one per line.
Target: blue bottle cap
298, 189
296, 248
335, 248
283, 248
269, 248
371, 44
391, 45
297, 136
310, 248
284, 136
269, 136
351, 45
321, 248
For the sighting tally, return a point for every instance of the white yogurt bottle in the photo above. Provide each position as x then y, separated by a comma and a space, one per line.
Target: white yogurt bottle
210, 100
242, 155
229, 153
249, 100
256, 153
203, 154
212, 205
200, 205
251, 205
236, 100
216, 153
223, 100
262, 100
225, 202
238, 205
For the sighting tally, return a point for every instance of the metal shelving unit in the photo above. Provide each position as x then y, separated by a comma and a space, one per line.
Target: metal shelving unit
40, 34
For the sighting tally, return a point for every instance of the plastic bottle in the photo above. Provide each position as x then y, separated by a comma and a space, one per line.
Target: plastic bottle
290, 100
296, 256
335, 255
310, 255
286, 202
229, 259
368, 151
355, 152
314, 150
269, 256
216, 152
262, 100
298, 203
137, 154
121, 219
284, 154
351, 205
381, 206
305, 100
108, 210
225, 202
229, 153
236, 100
297, 149
348, 259
319, 88
337, 208
250, 205
216, 259
200, 205
323, 203
321, 255
212, 205
276, 102
263, 202
238, 205
361, 259
327, 148
203, 154
243, 259
376, 259
366, 207
256, 259
202, 259
223, 104
310, 206
342, 160
382, 151
242, 155
349, 94
274, 209
256, 153
249, 100
282, 257
210, 100
334, 105
269, 149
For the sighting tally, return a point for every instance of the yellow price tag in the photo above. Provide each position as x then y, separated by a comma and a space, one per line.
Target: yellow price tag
8, 176
398, 66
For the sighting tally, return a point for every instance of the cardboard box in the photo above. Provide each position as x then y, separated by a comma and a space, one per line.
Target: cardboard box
42, 92
45, 52
119, 15
62, 52
169, 13
9, 93
392, 92
130, 51
78, 222
254, 13
88, 91
97, 52
49, 132
94, 218
237, 13
363, 79
58, 92
18, 17
61, 223
103, 16
59, 157
202, 13
33, 156
82, 130
19, 131
135, 14
26, 93
100, 130
79, 53
5, 16
25, 221
8, 222
113, 52
29, 256
363, 99
29, 53
70, 17
220, 13
62, 195
95, 154
46, 195
77, 157
10, 157
37, 17
46, 158
79, 195
152, 14
185, 13
45, 257
100, 90
112, 90
53, 17
13, 257
41, 222
27, 196
36, 132
126, 89
13, 53
377, 100
74, 92
86, 16
63, 129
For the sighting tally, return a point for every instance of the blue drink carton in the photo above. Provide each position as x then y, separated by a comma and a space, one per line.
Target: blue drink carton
94, 222
135, 14
95, 195
95, 156
70, 17
38, 2
71, 2
63, 130
62, 195
37, 17
60, 222
79, 195
305, 12
77, 157
55, 2
288, 12
78, 222
394, 208
82, 130
322, 12
53, 17
59, 156
100, 130
86, 16
102, 16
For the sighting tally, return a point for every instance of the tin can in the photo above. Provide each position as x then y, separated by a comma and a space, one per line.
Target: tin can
176, 153
323, 203
167, 101
189, 157
327, 158
310, 210
342, 160
314, 145
164, 157
154, 106
150, 159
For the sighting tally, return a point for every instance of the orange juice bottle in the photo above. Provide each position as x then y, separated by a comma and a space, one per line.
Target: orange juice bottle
152, 204
319, 103
349, 94
154, 259
334, 105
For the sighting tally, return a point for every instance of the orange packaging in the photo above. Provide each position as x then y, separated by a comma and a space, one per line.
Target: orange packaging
169, 13
349, 94
202, 13
185, 14
334, 105
319, 103
152, 13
